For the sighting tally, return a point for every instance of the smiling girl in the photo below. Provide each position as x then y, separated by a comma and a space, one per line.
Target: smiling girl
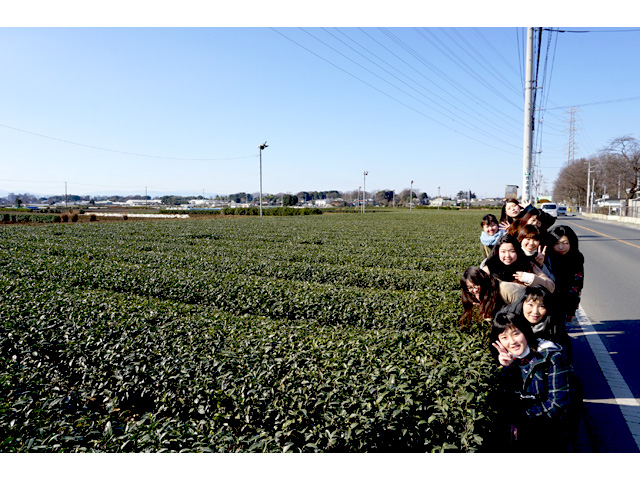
533, 245
484, 294
531, 216
508, 263
535, 381
537, 307
511, 210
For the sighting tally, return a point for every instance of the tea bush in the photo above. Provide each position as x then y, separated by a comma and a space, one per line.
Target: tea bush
332, 333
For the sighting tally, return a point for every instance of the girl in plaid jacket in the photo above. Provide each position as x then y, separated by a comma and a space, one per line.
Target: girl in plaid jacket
535, 387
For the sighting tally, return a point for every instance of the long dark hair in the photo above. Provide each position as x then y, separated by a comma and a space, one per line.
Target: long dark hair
502, 271
503, 214
559, 231
489, 297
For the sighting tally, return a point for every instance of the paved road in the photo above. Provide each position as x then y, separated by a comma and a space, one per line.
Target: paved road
606, 336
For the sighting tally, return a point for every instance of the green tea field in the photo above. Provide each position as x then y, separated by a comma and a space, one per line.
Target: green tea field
321, 333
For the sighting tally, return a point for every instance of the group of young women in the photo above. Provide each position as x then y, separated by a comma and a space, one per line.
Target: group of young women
528, 287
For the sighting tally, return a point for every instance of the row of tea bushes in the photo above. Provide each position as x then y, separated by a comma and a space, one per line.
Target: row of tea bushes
326, 303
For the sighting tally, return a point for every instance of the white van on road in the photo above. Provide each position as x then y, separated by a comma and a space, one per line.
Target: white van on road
550, 208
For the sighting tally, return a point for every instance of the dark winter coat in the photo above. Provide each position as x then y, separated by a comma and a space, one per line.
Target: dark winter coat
568, 272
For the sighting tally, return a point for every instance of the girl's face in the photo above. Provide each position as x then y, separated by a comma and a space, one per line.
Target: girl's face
491, 229
512, 209
530, 244
534, 221
474, 290
563, 245
513, 340
507, 253
534, 310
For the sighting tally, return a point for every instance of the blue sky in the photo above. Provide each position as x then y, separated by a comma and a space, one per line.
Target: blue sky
182, 110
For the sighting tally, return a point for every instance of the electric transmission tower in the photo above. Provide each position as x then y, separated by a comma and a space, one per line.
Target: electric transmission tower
571, 149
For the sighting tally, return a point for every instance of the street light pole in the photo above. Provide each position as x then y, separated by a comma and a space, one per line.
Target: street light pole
364, 189
261, 147
411, 197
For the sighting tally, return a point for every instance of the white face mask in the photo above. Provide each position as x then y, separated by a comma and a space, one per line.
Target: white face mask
528, 253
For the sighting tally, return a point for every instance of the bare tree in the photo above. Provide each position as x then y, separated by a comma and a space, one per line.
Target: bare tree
571, 185
624, 163
404, 195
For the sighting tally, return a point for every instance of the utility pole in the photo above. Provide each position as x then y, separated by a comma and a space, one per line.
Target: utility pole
261, 147
588, 184
528, 120
65, 195
619, 177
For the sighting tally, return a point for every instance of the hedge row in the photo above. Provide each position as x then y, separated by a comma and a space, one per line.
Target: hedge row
272, 211
29, 217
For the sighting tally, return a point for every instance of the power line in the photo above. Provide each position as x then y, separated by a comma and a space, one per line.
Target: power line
461, 119
120, 151
450, 82
385, 93
462, 64
596, 31
500, 56
130, 187
597, 103
408, 77
477, 56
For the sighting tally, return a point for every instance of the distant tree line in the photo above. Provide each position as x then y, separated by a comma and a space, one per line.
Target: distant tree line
380, 197
615, 171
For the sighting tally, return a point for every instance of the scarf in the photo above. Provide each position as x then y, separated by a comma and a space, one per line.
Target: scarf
490, 240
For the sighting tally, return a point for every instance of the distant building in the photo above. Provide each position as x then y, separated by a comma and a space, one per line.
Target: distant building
487, 202
322, 203
442, 202
143, 203
199, 203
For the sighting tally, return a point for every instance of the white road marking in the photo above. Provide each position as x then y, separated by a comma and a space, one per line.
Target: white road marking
629, 406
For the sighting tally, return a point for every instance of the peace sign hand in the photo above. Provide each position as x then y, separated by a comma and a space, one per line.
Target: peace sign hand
504, 357
541, 254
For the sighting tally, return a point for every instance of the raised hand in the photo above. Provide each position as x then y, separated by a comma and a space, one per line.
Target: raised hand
504, 357
541, 254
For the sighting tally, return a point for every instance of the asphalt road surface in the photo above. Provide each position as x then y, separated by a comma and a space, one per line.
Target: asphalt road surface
606, 335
